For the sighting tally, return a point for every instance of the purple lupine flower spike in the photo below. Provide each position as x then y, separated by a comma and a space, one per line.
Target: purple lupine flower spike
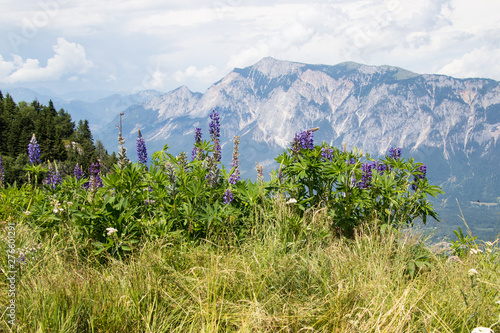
235, 176
197, 139
395, 153
326, 154
95, 179
228, 196
381, 168
56, 179
215, 134
306, 139
303, 140
142, 153
48, 179
34, 151
366, 177
78, 172
53, 176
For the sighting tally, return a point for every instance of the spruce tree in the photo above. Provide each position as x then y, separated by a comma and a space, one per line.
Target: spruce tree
3, 128
87, 153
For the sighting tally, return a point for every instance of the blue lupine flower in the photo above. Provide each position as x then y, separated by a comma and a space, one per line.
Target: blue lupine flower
48, 179
381, 168
366, 177
306, 139
95, 179
215, 134
395, 153
235, 176
197, 139
56, 179
302, 140
34, 151
228, 196
78, 172
326, 154
53, 177
142, 153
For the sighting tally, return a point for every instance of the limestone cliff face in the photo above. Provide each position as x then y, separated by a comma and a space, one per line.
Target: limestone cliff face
451, 124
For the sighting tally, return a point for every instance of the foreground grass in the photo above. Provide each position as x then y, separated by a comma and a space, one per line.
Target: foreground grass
273, 282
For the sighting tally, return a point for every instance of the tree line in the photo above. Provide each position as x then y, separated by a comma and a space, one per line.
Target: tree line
59, 138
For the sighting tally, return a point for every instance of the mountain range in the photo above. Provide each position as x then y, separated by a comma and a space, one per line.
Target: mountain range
450, 124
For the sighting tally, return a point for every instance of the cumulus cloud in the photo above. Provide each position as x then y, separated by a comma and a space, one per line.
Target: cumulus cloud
457, 37
69, 59
480, 62
194, 73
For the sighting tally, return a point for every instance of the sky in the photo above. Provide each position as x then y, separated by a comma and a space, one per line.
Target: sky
126, 46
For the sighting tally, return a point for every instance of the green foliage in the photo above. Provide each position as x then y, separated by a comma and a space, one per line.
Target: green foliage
55, 133
463, 244
174, 195
334, 182
420, 260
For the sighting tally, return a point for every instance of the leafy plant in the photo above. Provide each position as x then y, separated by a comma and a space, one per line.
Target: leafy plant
391, 191
463, 244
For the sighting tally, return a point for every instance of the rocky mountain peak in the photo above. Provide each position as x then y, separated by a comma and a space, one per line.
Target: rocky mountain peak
274, 68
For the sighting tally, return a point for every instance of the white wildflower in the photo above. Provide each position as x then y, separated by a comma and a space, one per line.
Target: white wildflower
111, 231
27, 213
291, 201
475, 251
482, 330
473, 272
489, 243
55, 211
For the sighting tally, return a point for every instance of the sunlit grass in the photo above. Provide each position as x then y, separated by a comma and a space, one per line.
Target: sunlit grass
288, 277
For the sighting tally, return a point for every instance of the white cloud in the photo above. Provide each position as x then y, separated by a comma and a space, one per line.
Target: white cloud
158, 22
69, 58
130, 38
194, 73
156, 80
480, 62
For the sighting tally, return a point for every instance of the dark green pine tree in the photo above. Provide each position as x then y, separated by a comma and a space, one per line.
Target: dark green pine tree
9, 110
9, 107
64, 124
86, 152
3, 128
48, 140
64, 129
